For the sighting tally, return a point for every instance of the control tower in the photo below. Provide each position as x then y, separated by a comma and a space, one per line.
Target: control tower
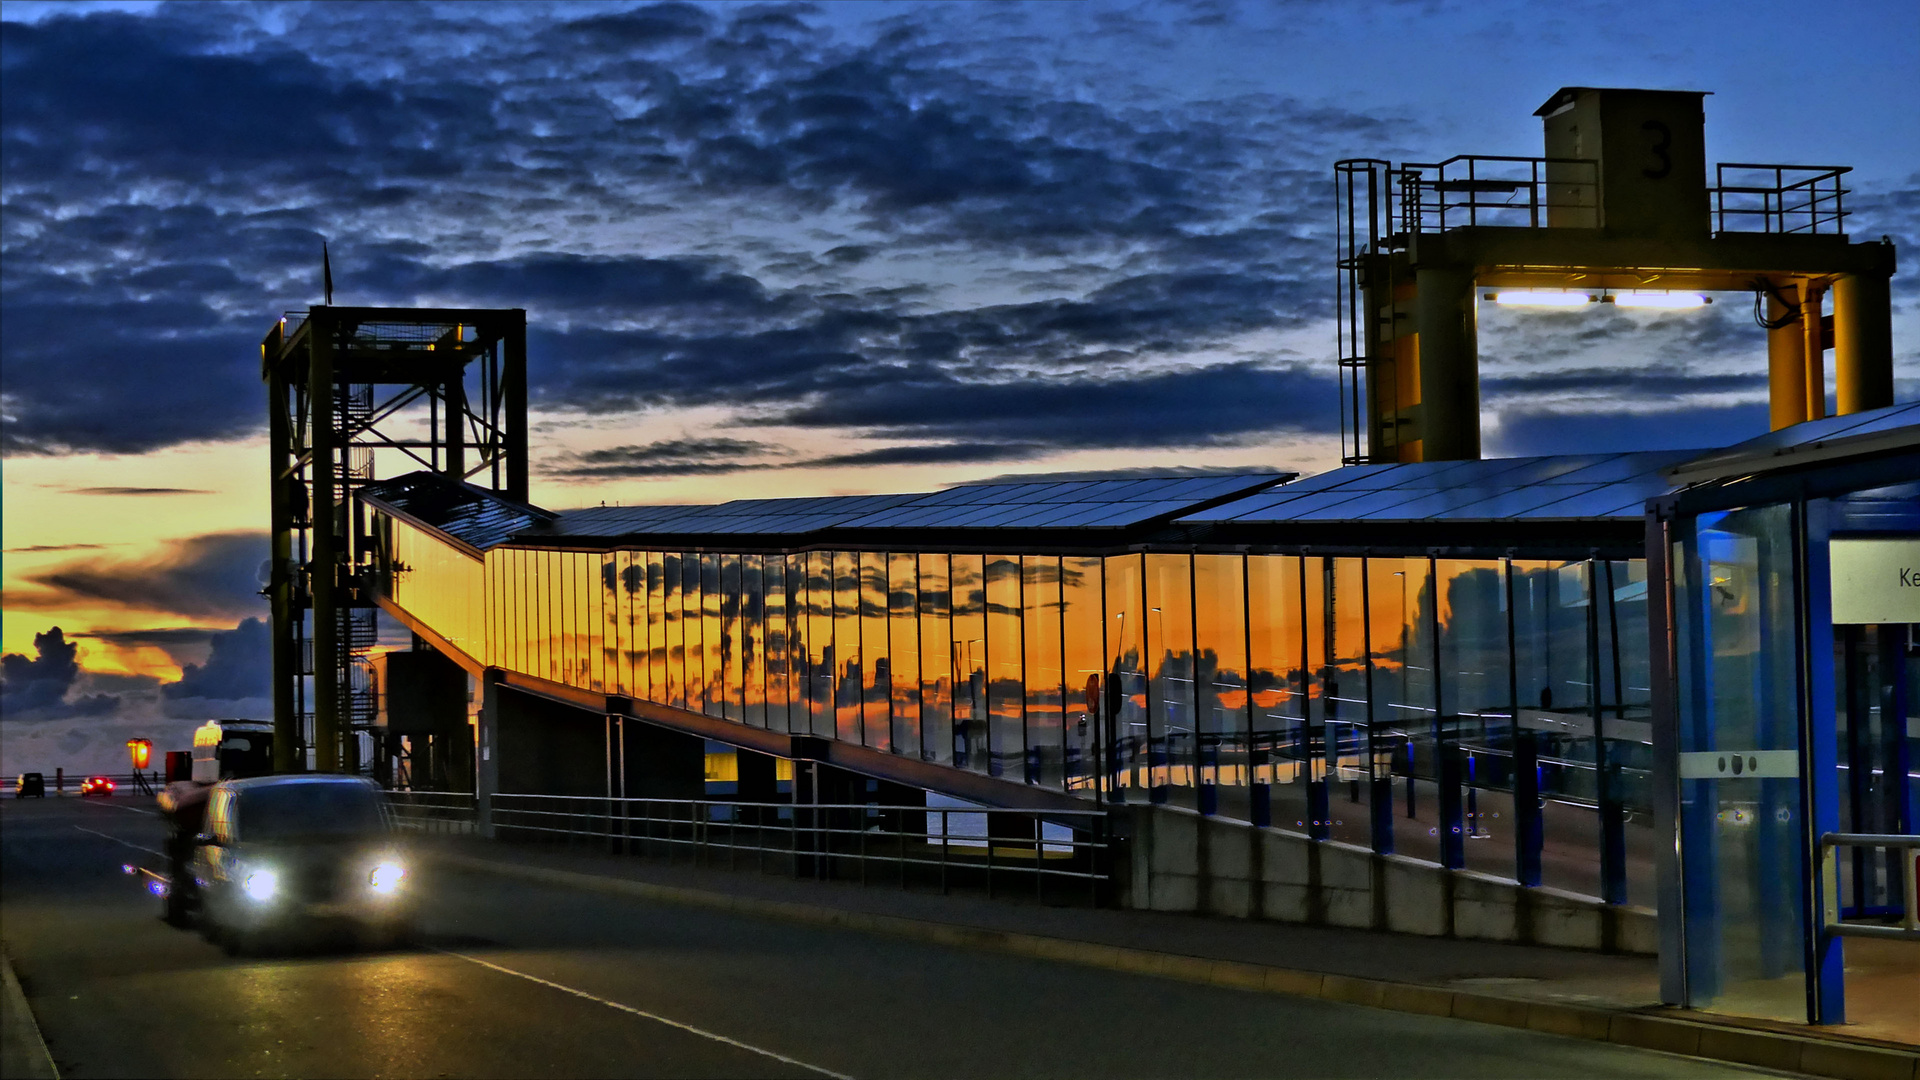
1619, 209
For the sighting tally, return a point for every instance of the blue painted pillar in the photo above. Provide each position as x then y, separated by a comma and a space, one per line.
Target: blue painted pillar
1819, 767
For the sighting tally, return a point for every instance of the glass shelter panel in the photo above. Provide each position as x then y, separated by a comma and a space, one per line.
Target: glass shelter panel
968, 584
1477, 685
1277, 677
903, 651
1220, 683
1739, 702
1083, 637
1005, 707
937, 641
1127, 674
1170, 719
1045, 681
876, 672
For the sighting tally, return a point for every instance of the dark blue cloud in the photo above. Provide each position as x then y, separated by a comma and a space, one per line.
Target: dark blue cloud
1522, 432
239, 665
36, 687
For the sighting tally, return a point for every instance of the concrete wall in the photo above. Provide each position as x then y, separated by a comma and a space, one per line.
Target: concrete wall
1180, 861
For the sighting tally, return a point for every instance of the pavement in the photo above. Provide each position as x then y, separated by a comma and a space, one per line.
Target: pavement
1587, 995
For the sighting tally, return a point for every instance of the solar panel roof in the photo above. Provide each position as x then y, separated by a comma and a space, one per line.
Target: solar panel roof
1808, 441
472, 515
1581, 486
1058, 504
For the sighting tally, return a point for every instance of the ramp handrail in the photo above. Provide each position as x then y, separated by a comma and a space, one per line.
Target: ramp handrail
1830, 845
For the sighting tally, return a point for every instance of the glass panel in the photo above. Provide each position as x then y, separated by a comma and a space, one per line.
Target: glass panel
846, 646
1005, 692
660, 686
969, 592
753, 640
554, 579
777, 643
1277, 682
903, 651
876, 725
633, 581
1127, 674
673, 585
732, 653
1220, 683
1045, 682
1310, 742
1082, 615
820, 655
587, 620
1551, 671
713, 661
566, 624
1741, 835
936, 661
1349, 755
1170, 721
1475, 691
1626, 686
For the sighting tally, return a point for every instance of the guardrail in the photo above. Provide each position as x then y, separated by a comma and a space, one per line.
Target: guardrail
60, 782
440, 812
1833, 923
926, 845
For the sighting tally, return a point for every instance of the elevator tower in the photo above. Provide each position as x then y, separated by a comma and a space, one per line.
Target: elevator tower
1619, 207
357, 394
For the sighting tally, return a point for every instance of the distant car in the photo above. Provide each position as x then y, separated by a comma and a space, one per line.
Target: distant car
285, 855
96, 785
30, 785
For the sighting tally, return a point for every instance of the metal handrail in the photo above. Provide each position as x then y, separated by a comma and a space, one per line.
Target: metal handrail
1819, 199
1909, 927
807, 835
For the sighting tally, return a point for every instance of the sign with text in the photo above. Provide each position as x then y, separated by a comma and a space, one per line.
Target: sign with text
1876, 581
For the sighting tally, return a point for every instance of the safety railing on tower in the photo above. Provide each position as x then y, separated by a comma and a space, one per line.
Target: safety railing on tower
1505, 192
1751, 197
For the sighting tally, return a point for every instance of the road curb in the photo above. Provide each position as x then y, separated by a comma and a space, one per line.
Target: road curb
1843, 1058
23, 1053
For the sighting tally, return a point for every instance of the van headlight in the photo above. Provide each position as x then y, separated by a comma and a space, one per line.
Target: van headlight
260, 884
386, 877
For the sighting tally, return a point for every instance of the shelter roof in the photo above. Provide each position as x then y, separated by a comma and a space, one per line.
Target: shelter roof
1562, 487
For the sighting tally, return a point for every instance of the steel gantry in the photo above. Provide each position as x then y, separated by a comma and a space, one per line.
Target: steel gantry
356, 394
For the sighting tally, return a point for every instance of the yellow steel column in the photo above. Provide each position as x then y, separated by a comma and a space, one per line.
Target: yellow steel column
1449, 364
1813, 334
1786, 367
1862, 343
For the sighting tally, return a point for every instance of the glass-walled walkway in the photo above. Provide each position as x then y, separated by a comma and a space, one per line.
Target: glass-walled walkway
1486, 714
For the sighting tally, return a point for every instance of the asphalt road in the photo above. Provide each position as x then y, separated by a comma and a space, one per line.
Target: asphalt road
520, 980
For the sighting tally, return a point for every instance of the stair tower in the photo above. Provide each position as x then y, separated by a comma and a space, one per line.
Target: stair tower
355, 394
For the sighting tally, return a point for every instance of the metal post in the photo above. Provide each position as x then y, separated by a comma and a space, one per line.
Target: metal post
280, 581
513, 400
323, 568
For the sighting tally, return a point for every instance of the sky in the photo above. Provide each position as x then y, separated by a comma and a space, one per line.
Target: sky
775, 249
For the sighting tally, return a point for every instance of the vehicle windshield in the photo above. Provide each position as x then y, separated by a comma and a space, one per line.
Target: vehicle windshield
281, 811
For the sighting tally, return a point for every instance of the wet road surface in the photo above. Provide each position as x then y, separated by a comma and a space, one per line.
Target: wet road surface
522, 980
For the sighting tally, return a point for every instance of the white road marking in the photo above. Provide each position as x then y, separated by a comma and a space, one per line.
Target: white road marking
650, 1016
117, 840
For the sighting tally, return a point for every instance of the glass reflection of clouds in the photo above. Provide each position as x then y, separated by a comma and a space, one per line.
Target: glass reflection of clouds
1339, 695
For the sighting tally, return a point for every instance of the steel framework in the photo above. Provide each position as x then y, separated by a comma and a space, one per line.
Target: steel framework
345, 389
